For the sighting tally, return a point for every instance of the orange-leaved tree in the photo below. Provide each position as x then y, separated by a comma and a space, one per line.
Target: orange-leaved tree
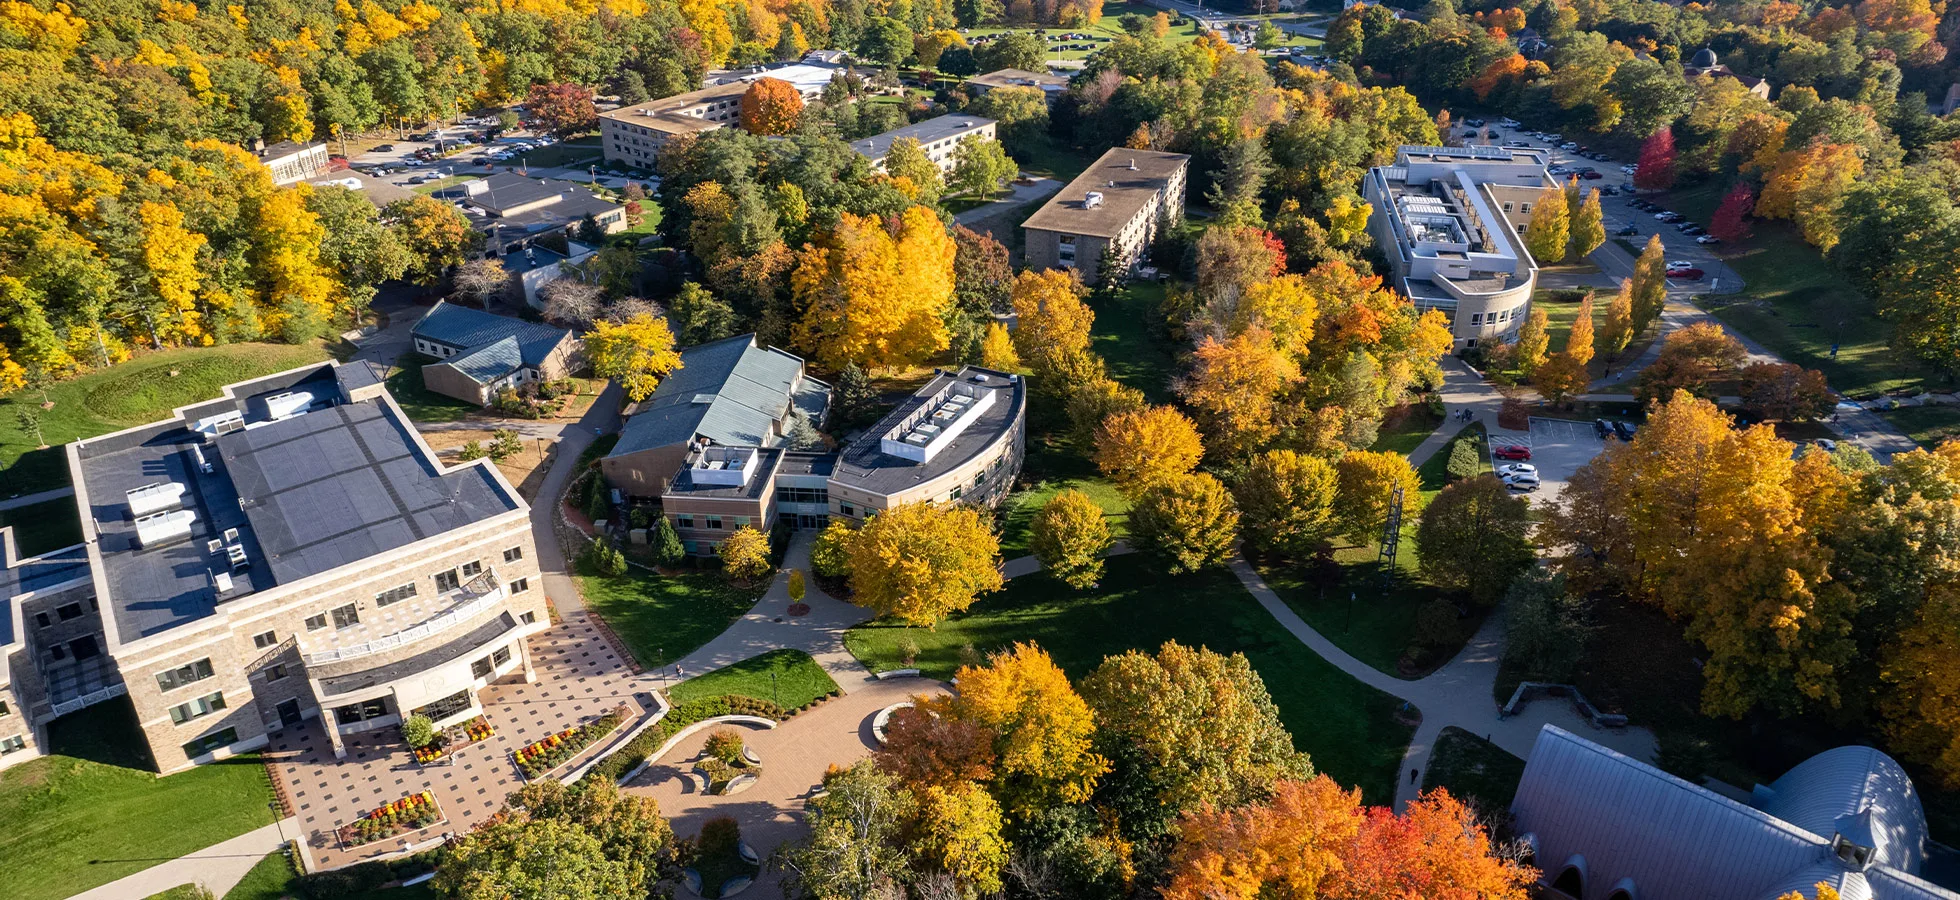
1234, 385
771, 106
1138, 448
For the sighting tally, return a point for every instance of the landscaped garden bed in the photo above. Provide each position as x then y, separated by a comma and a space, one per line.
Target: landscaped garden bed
411, 813
719, 864
543, 755
727, 764
455, 738
681, 716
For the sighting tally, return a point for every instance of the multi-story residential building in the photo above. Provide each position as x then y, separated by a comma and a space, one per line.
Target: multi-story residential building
51, 645
634, 134
1116, 205
292, 162
1449, 219
938, 137
291, 550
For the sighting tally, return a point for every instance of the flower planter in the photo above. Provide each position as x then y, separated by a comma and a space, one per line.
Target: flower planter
541, 756
411, 813
455, 738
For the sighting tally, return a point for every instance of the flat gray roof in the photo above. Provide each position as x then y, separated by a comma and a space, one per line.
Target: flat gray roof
934, 129
18, 577
864, 465
1125, 192
452, 650
307, 494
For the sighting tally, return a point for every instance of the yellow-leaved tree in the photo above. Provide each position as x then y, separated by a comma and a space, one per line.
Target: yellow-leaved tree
1366, 482
1234, 384
923, 561
959, 834
1138, 448
744, 554
638, 352
1042, 728
1051, 321
997, 349
875, 297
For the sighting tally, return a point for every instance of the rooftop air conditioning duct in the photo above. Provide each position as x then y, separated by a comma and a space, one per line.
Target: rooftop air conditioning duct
151, 499
164, 528
1092, 200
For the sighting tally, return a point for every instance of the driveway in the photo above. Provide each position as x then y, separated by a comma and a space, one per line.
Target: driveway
1558, 448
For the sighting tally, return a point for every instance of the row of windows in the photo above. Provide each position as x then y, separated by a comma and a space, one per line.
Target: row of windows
483, 668
66, 612
709, 523
210, 742
802, 495
197, 709
1496, 318
11, 744
183, 675
355, 712
350, 615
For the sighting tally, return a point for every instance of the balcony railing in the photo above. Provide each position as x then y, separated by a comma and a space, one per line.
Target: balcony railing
481, 594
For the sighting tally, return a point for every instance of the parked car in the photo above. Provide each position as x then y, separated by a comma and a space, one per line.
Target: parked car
1688, 274
1474, 123
1590, 175
385, 148
1512, 451
1625, 430
1568, 145
1609, 191
1827, 445
1630, 168
1669, 216
1692, 230
1628, 230
1523, 484
1517, 469
1510, 123
1602, 428
1707, 239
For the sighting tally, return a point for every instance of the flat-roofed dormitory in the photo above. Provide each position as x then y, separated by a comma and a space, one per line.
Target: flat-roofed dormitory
291, 551
1115, 206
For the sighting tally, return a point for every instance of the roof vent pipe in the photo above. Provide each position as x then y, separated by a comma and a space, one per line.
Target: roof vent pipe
1133, 163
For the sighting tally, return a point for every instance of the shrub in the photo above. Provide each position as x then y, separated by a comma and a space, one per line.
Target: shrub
725, 744
830, 554
908, 651
639, 517
472, 450
796, 589
419, 731
720, 838
667, 547
638, 749
602, 558
598, 500
504, 444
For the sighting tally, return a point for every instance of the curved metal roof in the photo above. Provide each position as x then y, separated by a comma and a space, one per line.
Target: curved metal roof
1826, 793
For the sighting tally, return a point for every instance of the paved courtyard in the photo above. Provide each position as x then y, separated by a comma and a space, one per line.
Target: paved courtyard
795, 756
579, 678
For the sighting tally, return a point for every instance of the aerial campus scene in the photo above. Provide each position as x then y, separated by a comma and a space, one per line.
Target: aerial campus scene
957, 450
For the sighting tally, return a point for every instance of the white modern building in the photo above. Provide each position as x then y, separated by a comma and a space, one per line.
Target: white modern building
1451, 221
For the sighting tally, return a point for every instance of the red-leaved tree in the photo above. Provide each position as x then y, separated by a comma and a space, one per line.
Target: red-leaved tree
1731, 222
1656, 162
562, 109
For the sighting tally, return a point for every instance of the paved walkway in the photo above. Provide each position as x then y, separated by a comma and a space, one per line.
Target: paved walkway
1016, 196
219, 867
769, 626
600, 418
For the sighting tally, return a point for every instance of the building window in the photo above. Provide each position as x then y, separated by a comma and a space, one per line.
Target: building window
1476, 318
179, 677
683, 521
265, 640
315, 623
275, 673
372, 709
712, 523
69, 611
346, 616
741, 521
481, 668
1507, 206
57, 653
42, 620
210, 742
513, 554
447, 581
1524, 208
501, 656
847, 509
197, 709
956, 493
394, 595
4, 709
520, 585
9, 745
529, 618
802, 495
472, 569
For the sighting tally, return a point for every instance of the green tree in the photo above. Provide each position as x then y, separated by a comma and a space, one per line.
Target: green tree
1020, 114
980, 167
504, 444
1188, 521
1545, 627
1465, 459
1070, 537
667, 547
886, 40
908, 160
1588, 227
1474, 539
1286, 502
419, 731
699, 316
435, 235
855, 848
553, 841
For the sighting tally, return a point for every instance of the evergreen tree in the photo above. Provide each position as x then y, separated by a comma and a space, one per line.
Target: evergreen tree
667, 547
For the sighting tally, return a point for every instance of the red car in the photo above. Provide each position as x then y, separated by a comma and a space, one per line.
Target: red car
1685, 274
1512, 451
1591, 176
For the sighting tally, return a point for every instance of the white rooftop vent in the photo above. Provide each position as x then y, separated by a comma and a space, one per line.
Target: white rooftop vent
164, 528
287, 404
221, 581
1092, 200
222, 423
203, 465
1133, 163
702, 399
151, 499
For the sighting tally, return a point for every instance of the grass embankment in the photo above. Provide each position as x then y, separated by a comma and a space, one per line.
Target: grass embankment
1347, 727
137, 392
94, 811
787, 678
422, 405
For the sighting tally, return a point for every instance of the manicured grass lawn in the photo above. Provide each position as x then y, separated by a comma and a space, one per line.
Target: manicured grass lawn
665, 617
1405, 427
1379, 624
1348, 727
1558, 327
422, 404
1017, 528
1473, 770
1929, 425
568, 153
180, 892
1133, 352
135, 393
41, 527
788, 678
87, 815
1798, 305
272, 879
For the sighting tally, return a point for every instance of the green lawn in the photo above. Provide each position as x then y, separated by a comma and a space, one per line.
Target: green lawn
272, 879
1376, 626
1134, 352
1017, 527
1047, 157
420, 403
788, 678
1473, 770
665, 617
1798, 305
1929, 425
135, 393
93, 812
1348, 727
1406, 427
430, 187
569, 153
1435, 471
1558, 328
180, 892
41, 527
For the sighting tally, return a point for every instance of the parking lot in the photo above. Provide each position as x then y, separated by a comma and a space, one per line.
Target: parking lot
1558, 448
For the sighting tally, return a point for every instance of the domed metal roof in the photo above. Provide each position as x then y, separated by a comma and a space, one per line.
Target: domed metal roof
1704, 59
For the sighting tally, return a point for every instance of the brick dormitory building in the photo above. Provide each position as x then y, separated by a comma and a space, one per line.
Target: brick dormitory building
289, 551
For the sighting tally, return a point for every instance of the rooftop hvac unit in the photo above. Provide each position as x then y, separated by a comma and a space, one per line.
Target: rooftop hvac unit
222, 423
197, 453
1092, 200
164, 528
151, 499
288, 404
